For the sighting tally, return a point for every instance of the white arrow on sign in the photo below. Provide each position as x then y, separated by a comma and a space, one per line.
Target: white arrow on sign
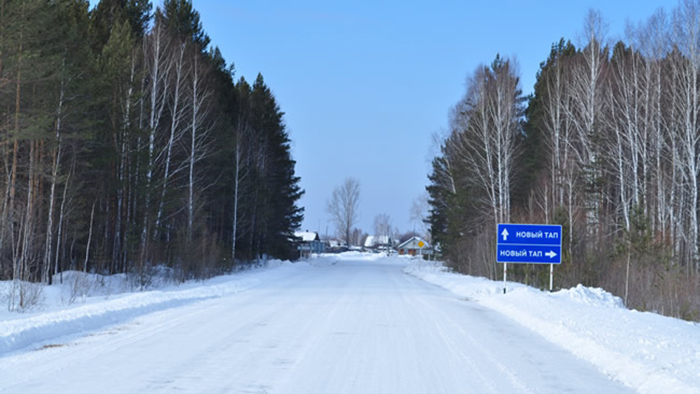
505, 234
551, 254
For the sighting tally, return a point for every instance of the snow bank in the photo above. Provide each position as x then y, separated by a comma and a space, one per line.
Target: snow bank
19, 331
646, 351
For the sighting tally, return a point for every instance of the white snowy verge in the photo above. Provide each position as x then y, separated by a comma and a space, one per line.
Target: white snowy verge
646, 351
18, 331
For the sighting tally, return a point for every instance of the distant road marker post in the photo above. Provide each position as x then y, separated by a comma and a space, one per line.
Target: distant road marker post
528, 244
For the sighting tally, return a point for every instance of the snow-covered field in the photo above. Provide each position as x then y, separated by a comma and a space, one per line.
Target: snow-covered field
352, 323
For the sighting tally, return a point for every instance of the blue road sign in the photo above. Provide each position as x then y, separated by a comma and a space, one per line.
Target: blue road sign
529, 243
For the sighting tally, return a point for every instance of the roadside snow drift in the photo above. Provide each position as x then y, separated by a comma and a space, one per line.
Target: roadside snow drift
646, 351
18, 331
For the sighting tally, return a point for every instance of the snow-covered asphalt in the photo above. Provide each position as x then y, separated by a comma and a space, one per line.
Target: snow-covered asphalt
349, 326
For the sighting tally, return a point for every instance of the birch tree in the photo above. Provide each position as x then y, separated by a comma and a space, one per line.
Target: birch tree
624, 118
344, 207
558, 129
159, 65
177, 107
488, 145
382, 227
653, 40
241, 156
586, 89
687, 35
199, 128
56, 162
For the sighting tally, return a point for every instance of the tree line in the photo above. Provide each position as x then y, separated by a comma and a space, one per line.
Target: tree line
126, 143
608, 146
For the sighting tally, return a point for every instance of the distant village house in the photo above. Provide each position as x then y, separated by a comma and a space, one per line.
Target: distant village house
309, 242
415, 246
379, 243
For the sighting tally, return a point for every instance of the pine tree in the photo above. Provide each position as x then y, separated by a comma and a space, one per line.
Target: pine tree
80, 99
278, 192
70, 94
183, 21
537, 129
109, 13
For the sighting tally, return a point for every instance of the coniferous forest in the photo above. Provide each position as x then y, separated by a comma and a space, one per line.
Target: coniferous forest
127, 143
608, 146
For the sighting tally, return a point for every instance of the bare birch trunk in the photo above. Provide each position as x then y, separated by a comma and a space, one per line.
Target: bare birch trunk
121, 172
198, 133
56, 161
89, 240
27, 234
62, 210
236, 187
13, 176
176, 118
159, 71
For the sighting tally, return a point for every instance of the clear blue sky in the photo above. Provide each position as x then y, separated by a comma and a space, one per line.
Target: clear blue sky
365, 83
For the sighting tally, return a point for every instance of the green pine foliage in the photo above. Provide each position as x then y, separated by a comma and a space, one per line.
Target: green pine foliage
183, 22
89, 184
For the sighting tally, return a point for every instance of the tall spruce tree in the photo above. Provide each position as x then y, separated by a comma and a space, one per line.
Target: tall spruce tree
107, 13
536, 152
219, 187
183, 21
278, 191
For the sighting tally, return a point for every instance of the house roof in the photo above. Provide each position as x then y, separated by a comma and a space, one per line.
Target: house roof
412, 243
306, 236
375, 240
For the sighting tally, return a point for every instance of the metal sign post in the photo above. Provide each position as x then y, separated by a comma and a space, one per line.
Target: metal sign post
551, 276
528, 244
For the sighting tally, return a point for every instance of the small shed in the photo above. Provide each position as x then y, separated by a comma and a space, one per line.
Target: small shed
415, 246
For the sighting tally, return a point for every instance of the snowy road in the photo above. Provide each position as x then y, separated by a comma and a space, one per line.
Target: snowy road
347, 327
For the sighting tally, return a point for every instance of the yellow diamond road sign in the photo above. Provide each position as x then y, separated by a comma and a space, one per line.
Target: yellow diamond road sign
421, 244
